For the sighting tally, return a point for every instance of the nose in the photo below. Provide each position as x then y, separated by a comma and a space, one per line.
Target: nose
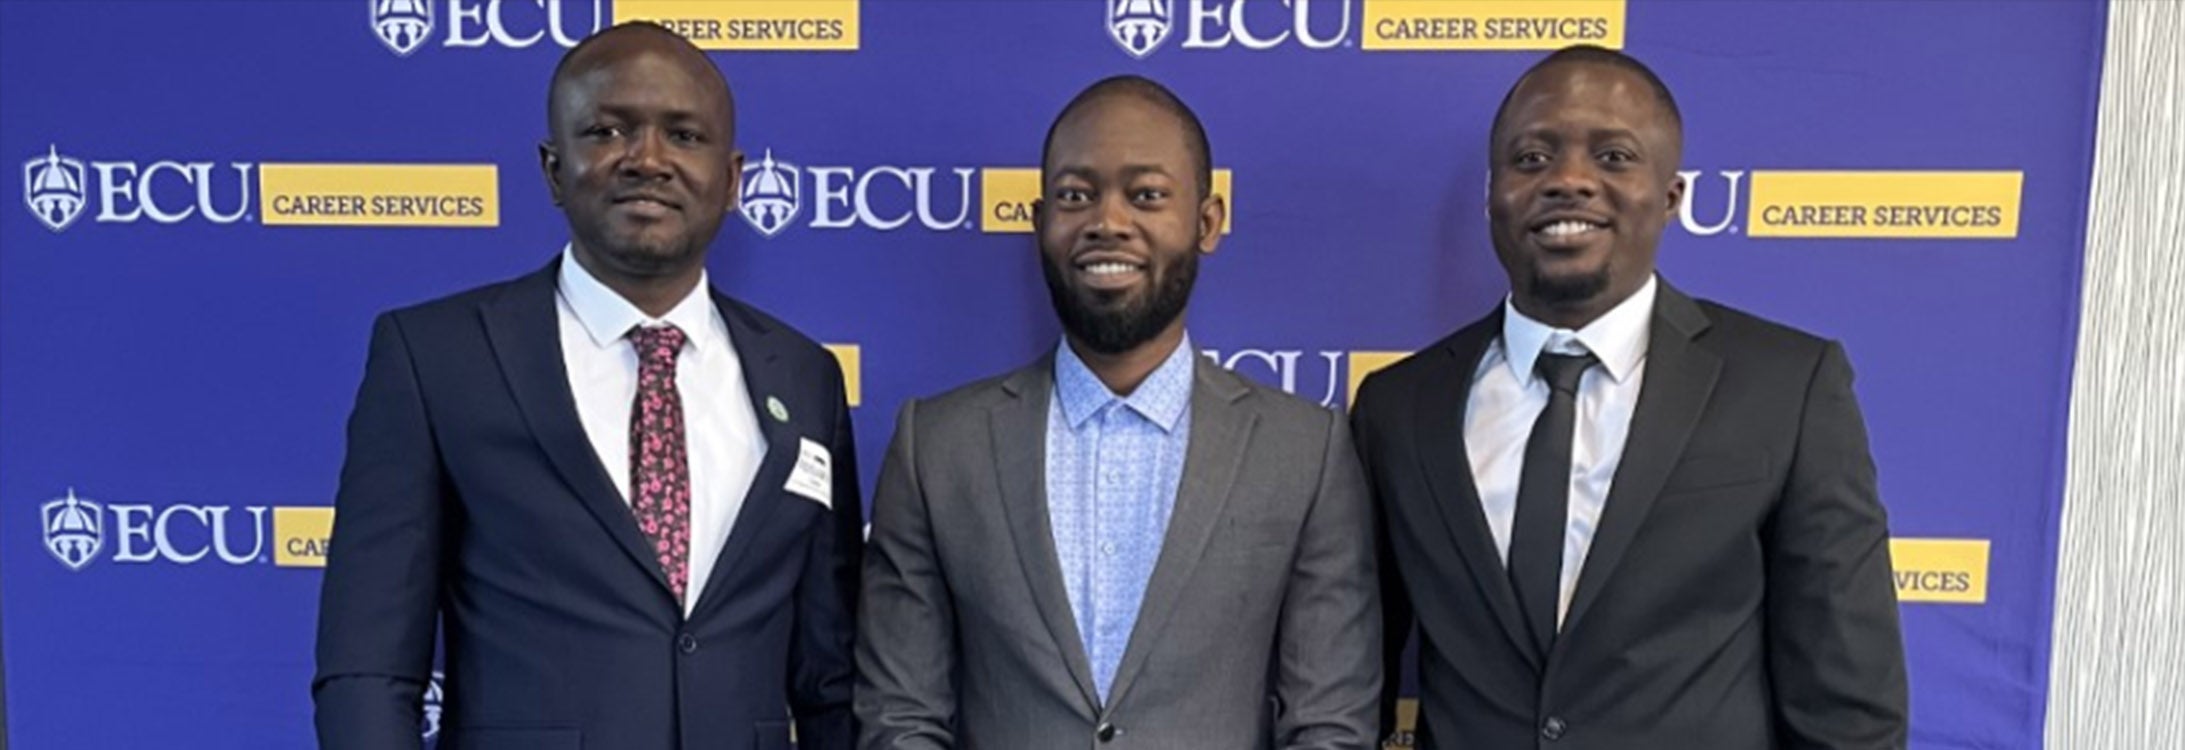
645, 155
1573, 178
1111, 222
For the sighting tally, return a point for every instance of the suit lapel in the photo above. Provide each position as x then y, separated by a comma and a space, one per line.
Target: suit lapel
758, 351
1444, 457
1679, 379
1221, 433
523, 329
1019, 432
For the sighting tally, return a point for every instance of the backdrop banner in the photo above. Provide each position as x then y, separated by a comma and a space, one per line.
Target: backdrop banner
217, 196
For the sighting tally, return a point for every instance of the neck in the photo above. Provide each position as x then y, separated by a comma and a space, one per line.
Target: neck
1573, 315
1567, 315
654, 294
1123, 371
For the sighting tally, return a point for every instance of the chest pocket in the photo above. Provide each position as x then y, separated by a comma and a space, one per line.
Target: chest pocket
1710, 471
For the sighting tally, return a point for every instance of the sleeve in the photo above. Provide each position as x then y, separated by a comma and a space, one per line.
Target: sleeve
1328, 665
1835, 652
820, 670
1396, 612
906, 692
379, 600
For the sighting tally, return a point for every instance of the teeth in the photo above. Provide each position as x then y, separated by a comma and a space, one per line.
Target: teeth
1565, 228
1109, 269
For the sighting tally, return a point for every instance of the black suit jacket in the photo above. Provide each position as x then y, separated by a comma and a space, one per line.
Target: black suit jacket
1737, 594
471, 497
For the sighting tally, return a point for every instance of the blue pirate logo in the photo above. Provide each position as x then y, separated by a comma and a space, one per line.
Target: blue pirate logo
74, 530
1140, 26
434, 695
770, 194
53, 187
402, 25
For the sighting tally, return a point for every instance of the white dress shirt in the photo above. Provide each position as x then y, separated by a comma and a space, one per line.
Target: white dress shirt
1507, 395
723, 439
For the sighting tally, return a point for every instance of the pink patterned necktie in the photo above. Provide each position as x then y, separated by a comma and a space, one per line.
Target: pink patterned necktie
659, 464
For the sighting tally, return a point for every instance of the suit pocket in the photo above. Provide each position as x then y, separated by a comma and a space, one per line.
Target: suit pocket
770, 735
490, 738
1251, 546
1709, 471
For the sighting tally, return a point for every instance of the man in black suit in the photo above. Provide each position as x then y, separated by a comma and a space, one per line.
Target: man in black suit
629, 501
1621, 517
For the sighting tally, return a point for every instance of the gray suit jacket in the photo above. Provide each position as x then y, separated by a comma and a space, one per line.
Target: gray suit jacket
1260, 627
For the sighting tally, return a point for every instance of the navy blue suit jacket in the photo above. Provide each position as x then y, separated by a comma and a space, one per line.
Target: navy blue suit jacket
471, 498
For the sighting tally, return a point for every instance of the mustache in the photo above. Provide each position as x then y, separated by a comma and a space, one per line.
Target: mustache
1121, 325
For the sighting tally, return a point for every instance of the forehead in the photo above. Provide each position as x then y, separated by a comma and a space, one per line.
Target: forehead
634, 75
1121, 130
1592, 95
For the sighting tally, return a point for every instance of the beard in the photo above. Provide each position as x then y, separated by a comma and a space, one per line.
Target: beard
643, 251
1567, 289
1114, 327
650, 255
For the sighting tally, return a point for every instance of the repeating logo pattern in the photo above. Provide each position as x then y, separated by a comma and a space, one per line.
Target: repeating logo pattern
435, 697
770, 195
53, 187
402, 25
74, 530
1140, 26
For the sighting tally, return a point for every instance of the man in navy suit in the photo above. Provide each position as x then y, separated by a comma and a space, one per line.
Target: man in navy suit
629, 502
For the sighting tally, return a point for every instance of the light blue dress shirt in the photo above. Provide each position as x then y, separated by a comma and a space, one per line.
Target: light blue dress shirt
1113, 466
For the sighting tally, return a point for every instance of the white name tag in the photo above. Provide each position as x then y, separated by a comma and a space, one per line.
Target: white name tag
813, 476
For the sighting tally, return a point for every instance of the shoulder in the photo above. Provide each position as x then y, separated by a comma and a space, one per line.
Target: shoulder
782, 339
1435, 364
978, 396
1272, 406
466, 303
1741, 337
967, 408
457, 322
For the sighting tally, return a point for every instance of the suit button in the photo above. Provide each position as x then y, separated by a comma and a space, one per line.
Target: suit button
1106, 732
686, 643
1552, 729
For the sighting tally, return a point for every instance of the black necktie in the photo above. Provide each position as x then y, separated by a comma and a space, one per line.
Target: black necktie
1543, 498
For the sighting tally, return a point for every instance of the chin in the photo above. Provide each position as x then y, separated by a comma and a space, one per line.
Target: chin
1095, 300
1569, 285
656, 255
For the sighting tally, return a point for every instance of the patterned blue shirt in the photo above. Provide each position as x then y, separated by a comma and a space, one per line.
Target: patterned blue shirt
1113, 465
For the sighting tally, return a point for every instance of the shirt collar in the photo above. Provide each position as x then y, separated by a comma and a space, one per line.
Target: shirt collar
1160, 399
608, 318
1619, 337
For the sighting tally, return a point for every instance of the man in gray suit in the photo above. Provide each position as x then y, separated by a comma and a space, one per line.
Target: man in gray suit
1121, 545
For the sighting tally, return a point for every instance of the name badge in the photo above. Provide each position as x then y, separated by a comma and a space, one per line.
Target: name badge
813, 476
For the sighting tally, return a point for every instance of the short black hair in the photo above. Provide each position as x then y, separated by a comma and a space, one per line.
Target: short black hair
569, 59
1145, 89
1593, 55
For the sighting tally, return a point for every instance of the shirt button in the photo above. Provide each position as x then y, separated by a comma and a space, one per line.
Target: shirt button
1106, 732
1107, 548
686, 643
1552, 729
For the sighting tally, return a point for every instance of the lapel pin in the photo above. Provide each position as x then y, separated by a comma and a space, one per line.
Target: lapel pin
774, 407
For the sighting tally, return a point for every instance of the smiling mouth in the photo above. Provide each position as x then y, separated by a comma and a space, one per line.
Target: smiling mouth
1109, 268
1108, 274
646, 201
1567, 232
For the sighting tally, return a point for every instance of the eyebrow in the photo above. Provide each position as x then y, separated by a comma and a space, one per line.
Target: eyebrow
1129, 171
631, 111
1595, 134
